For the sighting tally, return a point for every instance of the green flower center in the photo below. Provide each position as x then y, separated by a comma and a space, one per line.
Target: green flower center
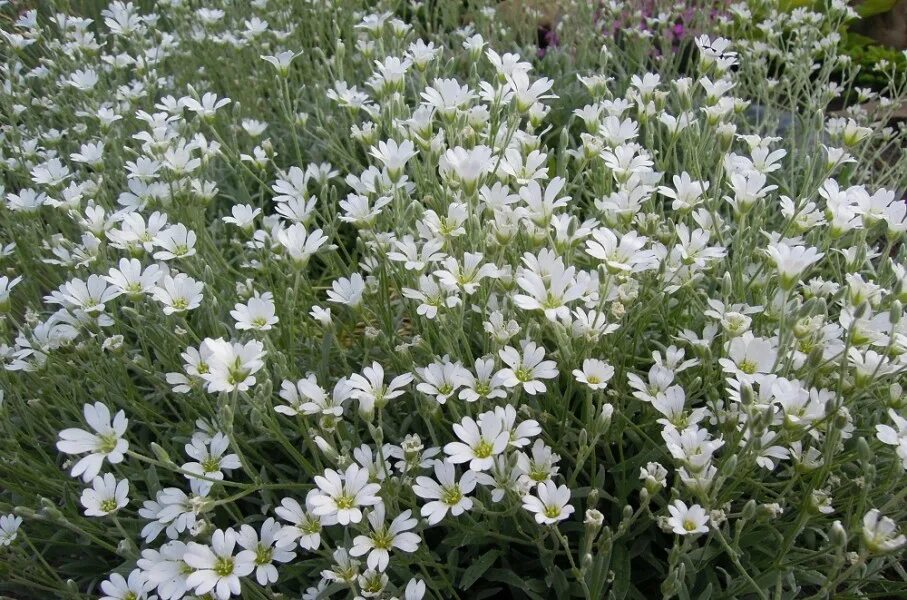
345, 501
263, 555
451, 496
552, 511
483, 449
211, 464
538, 474
223, 566
108, 505
748, 366
382, 540
552, 302
107, 443
523, 374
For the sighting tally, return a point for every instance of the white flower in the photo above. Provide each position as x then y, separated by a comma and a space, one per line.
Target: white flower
526, 368
382, 538
595, 373
486, 383
118, 587
445, 494
304, 526
242, 215
467, 275
685, 520
620, 255
175, 242
232, 366
479, 442
207, 107
132, 279
415, 589
541, 466
550, 504
347, 290
551, 293
792, 261
466, 166
217, 570
432, 296
165, 570
309, 398
342, 494
258, 313
370, 389
281, 61
90, 295
210, 461
260, 549
6, 286
106, 441
299, 243
106, 495
749, 355
447, 96
880, 534
442, 379
178, 293
9, 528
394, 156
895, 437
686, 193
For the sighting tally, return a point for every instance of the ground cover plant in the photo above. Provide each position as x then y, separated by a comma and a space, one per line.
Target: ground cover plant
389, 300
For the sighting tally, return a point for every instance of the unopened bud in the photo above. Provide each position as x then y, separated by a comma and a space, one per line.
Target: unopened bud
50, 511
838, 535
749, 510
605, 416
627, 512
895, 312
746, 394
161, 454
863, 450
329, 452
592, 498
815, 356
594, 519
25, 512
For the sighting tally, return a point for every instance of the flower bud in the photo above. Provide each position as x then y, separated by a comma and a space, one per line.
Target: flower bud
594, 519
161, 454
838, 535
604, 417
863, 450
329, 452
627, 512
895, 312
749, 510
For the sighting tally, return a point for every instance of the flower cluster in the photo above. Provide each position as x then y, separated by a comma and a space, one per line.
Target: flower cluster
389, 305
